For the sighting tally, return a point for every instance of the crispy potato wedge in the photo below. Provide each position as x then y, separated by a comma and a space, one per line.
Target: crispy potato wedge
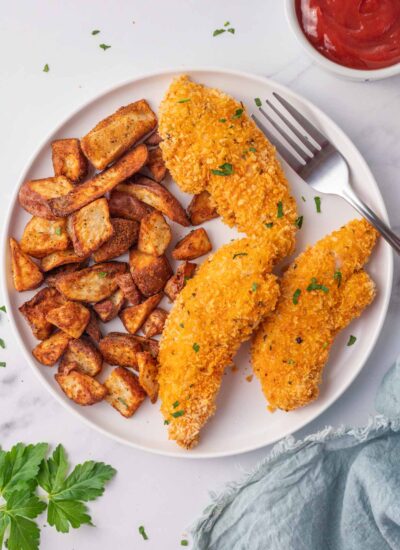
125, 234
154, 139
120, 349
109, 308
68, 159
49, 351
126, 206
36, 309
84, 355
59, 258
34, 195
56, 273
202, 208
155, 322
195, 244
81, 388
133, 317
124, 391
154, 235
148, 374
92, 328
26, 274
129, 289
99, 185
156, 164
90, 227
150, 273
114, 135
92, 284
175, 284
157, 196
148, 344
71, 318
42, 237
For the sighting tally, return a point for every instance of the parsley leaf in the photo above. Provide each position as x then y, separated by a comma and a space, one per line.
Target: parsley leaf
95, 32
184, 542
254, 287
225, 169
280, 210
257, 101
318, 204
2, 343
218, 31
177, 414
58, 231
46, 68
102, 274
269, 225
226, 24
185, 100
232, 31
338, 277
352, 340
222, 120
19, 467
299, 222
104, 47
3, 308
238, 113
253, 149
239, 254
2, 364
143, 532
296, 296
315, 286
176, 404
196, 347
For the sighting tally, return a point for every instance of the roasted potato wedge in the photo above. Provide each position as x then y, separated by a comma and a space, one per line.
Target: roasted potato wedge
68, 159
195, 244
59, 258
26, 274
124, 391
81, 388
129, 289
157, 196
120, 349
42, 237
49, 351
125, 234
148, 374
133, 317
175, 284
71, 318
148, 344
202, 208
156, 164
126, 206
154, 139
92, 284
36, 309
99, 185
155, 322
58, 272
84, 355
34, 195
92, 328
154, 235
109, 308
90, 227
114, 135
150, 273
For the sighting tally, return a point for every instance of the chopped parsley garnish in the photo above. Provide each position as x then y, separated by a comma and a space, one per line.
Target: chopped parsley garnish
291, 362
316, 286
232, 31
269, 225
222, 120
181, 325
176, 404
299, 222
46, 68
196, 347
95, 32
280, 210
2, 364
226, 24
253, 149
177, 414
296, 296
225, 169
166, 422
143, 532
325, 345
104, 46
184, 100
2, 343
303, 198
121, 400
254, 287
352, 340
58, 231
338, 277
239, 254
257, 101
3, 308
238, 113
318, 204
218, 31
102, 274
184, 542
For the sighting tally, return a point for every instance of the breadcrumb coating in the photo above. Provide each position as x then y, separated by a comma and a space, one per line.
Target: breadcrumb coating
203, 129
216, 311
292, 346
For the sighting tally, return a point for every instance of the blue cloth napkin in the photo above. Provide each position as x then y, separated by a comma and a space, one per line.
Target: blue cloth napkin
335, 490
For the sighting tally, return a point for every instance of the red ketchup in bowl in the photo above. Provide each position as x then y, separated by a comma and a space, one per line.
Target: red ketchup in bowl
361, 34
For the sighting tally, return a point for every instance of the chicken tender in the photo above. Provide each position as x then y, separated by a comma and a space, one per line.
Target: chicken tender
321, 293
214, 313
211, 144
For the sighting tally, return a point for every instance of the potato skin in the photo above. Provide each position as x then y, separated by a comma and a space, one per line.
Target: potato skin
42, 237
34, 195
193, 245
155, 322
156, 165
148, 373
90, 227
176, 283
92, 328
68, 159
202, 208
36, 309
70, 317
59, 258
124, 391
26, 274
114, 135
133, 317
49, 351
81, 388
84, 354
129, 289
154, 235
109, 308
126, 206
120, 349
150, 273
125, 234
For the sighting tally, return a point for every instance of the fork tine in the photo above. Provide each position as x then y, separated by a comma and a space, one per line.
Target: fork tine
285, 154
286, 136
308, 127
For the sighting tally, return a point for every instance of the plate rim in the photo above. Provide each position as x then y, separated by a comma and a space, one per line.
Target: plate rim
14, 198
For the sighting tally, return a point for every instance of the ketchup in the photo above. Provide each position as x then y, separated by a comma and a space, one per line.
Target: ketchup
362, 34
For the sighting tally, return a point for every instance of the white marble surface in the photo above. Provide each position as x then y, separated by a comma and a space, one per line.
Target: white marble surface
164, 494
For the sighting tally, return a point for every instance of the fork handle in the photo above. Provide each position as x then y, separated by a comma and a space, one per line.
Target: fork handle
373, 219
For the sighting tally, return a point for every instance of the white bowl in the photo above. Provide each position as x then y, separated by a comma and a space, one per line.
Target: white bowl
324, 62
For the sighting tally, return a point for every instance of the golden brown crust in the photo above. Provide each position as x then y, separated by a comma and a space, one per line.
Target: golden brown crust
154, 324
156, 164
154, 235
125, 234
90, 227
133, 317
83, 355
92, 328
68, 159
81, 388
193, 245
175, 284
49, 351
148, 374
120, 349
124, 391
129, 289
202, 208
36, 309
59, 258
109, 308
42, 237
150, 273
26, 274
34, 195
70, 317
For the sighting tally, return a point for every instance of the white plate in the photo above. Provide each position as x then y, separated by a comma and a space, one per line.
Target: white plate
242, 422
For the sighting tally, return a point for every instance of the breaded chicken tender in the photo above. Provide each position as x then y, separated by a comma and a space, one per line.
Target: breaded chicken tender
321, 293
215, 312
210, 143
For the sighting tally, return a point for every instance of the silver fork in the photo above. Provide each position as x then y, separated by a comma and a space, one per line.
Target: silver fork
322, 167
